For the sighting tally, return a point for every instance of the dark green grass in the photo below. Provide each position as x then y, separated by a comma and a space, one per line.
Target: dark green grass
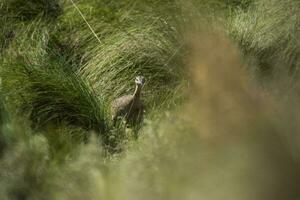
29, 10
39, 82
52, 94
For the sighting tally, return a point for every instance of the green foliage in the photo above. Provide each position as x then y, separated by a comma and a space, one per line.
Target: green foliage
210, 130
267, 33
43, 84
132, 43
28, 10
23, 170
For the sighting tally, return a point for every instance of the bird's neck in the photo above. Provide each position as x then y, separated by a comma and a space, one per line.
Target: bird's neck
137, 91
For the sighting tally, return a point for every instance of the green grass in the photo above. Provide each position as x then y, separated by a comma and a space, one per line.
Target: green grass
221, 99
29, 10
269, 35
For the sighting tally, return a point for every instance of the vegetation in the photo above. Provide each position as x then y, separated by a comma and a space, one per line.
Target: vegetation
222, 98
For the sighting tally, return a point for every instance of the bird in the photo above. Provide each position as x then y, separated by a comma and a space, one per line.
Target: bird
129, 107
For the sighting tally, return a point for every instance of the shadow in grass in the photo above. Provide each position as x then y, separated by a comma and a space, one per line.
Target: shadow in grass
30, 9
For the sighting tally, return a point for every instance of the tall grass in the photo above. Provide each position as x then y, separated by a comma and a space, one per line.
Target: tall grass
132, 43
267, 33
42, 85
29, 10
212, 128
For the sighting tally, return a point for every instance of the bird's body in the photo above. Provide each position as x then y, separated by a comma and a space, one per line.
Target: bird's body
129, 107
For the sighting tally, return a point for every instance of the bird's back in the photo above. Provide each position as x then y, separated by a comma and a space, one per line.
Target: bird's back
122, 102
126, 106
120, 105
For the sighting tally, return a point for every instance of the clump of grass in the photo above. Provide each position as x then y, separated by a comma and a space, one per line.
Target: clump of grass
147, 52
267, 32
40, 82
24, 169
132, 43
91, 169
31, 9
6, 33
51, 94
24, 159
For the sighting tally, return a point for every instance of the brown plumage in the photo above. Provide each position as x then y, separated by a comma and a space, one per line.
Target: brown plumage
129, 107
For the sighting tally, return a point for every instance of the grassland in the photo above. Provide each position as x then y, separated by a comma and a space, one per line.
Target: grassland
222, 98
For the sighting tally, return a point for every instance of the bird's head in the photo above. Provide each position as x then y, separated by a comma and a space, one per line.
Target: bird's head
140, 80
